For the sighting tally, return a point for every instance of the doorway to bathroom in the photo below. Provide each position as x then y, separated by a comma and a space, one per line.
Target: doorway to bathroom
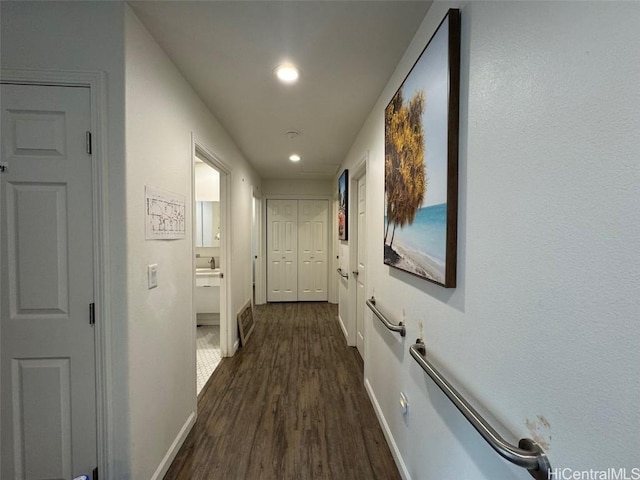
207, 289
209, 194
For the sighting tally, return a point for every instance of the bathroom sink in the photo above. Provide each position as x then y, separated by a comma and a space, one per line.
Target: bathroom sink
214, 272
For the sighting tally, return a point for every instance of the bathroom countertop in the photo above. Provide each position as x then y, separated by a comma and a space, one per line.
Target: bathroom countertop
205, 272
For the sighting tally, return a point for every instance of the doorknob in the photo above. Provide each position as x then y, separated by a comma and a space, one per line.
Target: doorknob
221, 275
355, 273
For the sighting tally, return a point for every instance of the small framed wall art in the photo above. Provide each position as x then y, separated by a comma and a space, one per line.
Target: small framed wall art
343, 206
246, 323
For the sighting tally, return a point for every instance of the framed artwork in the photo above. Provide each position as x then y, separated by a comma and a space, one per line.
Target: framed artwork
421, 161
246, 323
164, 214
343, 206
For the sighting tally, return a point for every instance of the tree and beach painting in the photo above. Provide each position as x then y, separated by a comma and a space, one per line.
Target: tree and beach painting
343, 205
421, 137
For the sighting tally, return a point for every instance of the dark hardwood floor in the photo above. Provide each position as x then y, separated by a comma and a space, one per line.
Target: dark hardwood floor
289, 405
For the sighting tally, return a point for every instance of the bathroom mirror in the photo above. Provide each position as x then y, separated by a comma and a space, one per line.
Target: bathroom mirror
207, 224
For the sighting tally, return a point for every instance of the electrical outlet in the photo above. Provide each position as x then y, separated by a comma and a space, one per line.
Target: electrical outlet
152, 276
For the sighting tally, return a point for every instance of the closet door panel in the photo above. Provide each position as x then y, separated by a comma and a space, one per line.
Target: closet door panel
312, 248
282, 248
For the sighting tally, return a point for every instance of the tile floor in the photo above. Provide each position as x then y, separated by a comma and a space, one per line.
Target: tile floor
207, 353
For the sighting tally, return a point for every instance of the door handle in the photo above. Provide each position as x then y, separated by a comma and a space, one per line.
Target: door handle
355, 273
221, 275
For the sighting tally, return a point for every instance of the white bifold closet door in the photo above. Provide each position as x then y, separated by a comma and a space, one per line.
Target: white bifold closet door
312, 250
282, 245
297, 240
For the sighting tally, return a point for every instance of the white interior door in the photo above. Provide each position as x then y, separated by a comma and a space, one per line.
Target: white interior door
282, 247
47, 349
360, 265
312, 250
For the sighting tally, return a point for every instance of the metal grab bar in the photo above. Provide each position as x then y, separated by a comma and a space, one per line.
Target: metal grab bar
342, 274
371, 303
527, 455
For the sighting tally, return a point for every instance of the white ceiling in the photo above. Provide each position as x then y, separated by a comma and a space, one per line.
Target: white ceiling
227, 50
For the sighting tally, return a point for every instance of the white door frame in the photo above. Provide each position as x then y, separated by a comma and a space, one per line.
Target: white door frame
96, 81
258, 225
201, 151
358, 171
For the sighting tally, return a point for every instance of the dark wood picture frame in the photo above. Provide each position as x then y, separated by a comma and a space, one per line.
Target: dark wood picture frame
343, 206
421, 161
246, 323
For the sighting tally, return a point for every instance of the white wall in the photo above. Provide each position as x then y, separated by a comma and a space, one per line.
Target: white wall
207, 183
162, 112
543, 325
271, 187
87, 36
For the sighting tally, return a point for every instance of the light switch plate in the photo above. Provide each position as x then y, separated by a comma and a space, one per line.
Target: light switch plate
152, 276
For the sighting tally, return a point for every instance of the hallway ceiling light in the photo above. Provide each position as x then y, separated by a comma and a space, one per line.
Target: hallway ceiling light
287, 73
294, 158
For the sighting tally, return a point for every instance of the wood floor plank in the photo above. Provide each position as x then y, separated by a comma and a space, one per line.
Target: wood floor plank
289, 405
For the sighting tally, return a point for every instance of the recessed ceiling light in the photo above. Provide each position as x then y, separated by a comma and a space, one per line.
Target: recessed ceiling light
287, 73
294, 158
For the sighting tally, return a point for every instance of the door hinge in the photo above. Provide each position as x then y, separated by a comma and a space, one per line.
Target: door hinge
95, 474
89, 143
92, 313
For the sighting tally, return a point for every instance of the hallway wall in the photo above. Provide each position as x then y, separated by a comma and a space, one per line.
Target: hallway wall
162, 111
273, 187
542, 328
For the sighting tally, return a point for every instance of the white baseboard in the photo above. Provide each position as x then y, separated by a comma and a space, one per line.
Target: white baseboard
175, 448
207, 319
387, 432
344, 329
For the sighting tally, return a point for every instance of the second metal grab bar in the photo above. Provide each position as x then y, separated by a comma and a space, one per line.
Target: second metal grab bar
371, 303
528, 454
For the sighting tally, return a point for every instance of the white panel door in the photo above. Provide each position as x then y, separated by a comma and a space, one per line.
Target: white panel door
312, 250
282, 248
47, 377
361, 260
